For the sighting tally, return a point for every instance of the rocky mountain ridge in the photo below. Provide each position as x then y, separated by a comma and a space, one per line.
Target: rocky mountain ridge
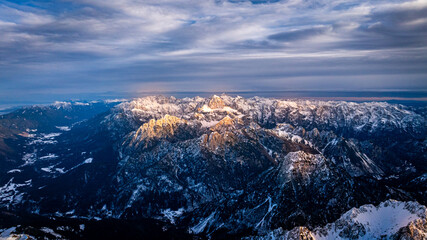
389, 220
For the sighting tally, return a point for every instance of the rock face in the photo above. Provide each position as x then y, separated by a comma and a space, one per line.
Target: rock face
155, 130
389, 220
416, 230
216, 102
228, 167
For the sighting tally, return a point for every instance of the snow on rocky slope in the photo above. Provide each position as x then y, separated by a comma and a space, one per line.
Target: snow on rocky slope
389, 220
367, 117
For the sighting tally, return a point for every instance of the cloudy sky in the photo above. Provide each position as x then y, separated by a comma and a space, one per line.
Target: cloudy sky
96, 46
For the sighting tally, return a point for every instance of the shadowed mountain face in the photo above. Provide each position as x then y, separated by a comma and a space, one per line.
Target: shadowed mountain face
224, 167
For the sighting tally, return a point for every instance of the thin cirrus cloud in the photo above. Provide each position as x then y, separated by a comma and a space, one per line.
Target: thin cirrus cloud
127, 45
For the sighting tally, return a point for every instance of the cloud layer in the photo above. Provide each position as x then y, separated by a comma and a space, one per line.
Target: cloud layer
211, 45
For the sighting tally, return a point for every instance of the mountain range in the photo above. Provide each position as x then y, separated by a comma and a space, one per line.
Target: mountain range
214, 168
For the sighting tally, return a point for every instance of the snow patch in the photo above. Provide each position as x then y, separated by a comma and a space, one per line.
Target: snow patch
9, 194
63, 128
45, 139
29, 158
371, 222
200, 227
50, 231
49, 156
50, 135
5, 234
172, 215
206, 124
135, 194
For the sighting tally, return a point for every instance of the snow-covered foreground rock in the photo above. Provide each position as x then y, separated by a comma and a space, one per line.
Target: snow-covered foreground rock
222, 167
389, 220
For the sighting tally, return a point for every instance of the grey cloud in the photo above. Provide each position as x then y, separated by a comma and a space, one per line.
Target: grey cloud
388, 29
300, 34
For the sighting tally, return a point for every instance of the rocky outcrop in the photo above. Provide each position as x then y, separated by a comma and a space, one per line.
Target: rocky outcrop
216, 141
228, 124
416, 230
216, 102
155, 129
168, 127
300, 165
389, 220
